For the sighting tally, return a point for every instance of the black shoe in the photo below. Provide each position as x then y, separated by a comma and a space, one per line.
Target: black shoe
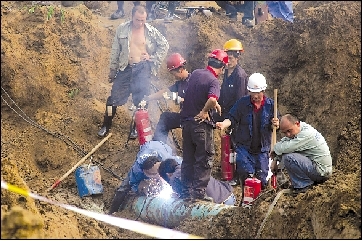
117, 15
133, 134
103, 131
248, 23
234, 182
300, 190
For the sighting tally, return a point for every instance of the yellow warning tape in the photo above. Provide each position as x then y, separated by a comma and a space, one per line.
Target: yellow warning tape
135, 226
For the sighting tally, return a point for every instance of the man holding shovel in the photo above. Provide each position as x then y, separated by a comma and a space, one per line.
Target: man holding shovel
252, 121
303, 152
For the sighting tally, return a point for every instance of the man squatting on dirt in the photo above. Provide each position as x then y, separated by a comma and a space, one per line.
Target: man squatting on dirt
138, 50
303, 152
197, 126
171, 120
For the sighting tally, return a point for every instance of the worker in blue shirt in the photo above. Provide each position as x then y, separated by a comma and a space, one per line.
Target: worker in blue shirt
252, 120
136, 174
176, 92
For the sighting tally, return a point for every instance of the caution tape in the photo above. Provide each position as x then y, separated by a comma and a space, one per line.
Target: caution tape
135, 226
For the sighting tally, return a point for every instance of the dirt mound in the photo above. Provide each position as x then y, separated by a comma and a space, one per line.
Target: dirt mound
54, 67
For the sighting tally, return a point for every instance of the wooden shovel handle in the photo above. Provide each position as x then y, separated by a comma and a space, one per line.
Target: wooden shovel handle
274, 135
80, 162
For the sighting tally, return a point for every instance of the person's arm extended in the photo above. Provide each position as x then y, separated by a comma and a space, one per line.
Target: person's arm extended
156, 96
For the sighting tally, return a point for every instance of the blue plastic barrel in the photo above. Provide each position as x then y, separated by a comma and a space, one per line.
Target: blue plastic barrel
88, 179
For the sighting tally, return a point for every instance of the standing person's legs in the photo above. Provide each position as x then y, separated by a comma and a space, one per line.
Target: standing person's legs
231, 11
245, 164
167, 122
171, 7
262, 167
187, 166
150, 12
136, 3
120, 12
248, 18
203, 137
170, 10
119, 95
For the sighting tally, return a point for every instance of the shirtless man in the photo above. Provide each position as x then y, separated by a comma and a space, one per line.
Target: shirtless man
138, 50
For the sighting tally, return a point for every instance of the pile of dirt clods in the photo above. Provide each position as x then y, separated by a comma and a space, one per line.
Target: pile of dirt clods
54, 67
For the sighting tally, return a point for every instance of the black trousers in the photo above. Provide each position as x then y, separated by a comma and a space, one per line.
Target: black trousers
168, 121
198, 156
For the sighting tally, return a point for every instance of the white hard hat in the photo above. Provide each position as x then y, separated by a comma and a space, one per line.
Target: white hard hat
256, 83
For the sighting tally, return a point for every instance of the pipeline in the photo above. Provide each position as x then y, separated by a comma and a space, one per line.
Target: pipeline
169, 212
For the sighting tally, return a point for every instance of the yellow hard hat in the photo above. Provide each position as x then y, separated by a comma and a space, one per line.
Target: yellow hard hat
234, 45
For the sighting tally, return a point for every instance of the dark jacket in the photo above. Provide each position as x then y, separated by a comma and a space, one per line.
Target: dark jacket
241, 117
233, 87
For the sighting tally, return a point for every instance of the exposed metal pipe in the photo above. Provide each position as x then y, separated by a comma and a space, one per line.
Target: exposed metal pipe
170, 212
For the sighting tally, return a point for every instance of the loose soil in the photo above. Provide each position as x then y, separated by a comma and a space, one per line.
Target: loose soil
54, 87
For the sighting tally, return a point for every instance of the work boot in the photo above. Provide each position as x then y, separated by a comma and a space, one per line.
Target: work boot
118, 199
234, 182
133, 134
168, 18
248, 23
103, 131
107, 123
117, 15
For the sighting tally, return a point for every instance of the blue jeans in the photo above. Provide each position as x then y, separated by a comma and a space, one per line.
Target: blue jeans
302, 171
247, 163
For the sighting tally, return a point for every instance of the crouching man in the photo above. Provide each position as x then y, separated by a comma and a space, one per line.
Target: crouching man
150, 150
217, 191
303, 152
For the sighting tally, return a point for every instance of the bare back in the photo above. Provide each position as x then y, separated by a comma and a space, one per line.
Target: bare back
137, 45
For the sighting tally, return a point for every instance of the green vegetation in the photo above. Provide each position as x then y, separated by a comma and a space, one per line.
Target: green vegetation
50, 12
32, 9
73, 92
62, 15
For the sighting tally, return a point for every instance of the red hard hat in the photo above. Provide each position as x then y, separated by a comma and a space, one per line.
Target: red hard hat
220, 54
174, 61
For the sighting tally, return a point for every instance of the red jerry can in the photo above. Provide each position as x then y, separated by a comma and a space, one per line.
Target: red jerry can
143, 126
252, 189
227, 158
